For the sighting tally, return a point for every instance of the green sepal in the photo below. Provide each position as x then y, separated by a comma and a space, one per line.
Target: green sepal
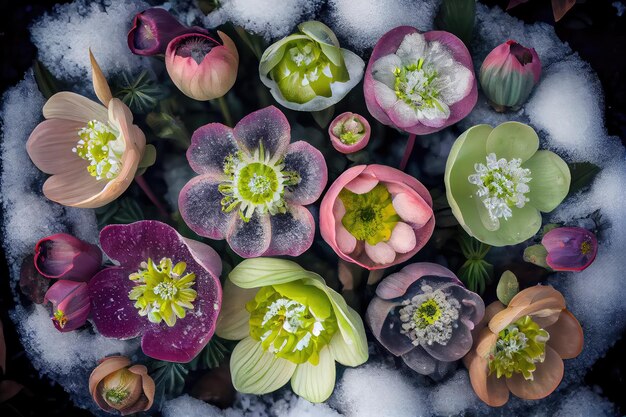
507, 287
149, 157
536, 254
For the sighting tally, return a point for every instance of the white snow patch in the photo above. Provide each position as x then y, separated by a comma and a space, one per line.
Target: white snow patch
189, 407
176, 173
584, 403
451, 397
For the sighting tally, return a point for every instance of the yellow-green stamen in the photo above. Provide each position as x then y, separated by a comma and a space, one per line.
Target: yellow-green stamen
416, 85
60, 318
101, 146
349, 131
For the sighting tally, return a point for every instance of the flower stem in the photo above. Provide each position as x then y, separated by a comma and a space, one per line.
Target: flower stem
407, 151
143, 184
225, 111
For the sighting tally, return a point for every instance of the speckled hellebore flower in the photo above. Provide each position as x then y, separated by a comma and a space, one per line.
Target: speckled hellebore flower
497, 182
419, 82
570, 248
291, 326
349, 132
520, 348
508, 75
117, 386
92, 151
376, 216
71, 304
62, 256
253, 185
425, 315
309, 71
166, 289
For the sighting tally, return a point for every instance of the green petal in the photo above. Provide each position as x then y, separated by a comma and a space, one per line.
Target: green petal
275, 52
524, 224
321, 86
319, 32
315, 383
550, 180
260, 272
292, 89
233, 322
255, 371
511, 140
308, 295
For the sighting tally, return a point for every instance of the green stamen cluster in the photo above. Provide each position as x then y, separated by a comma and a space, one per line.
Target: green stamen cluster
519, 347
100, 145
60, 318
163, 292
116, 395
415, 85
349, 131
370, 216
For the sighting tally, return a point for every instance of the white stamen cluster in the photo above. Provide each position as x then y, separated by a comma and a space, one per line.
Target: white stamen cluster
165, 290
516, 342
100, 146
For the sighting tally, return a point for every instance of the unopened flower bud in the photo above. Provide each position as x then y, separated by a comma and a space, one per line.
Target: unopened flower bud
349, 132
66, 257
71, 304
570, 248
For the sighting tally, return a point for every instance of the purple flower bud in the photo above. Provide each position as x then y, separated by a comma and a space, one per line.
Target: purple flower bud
570, 248
64, 256
71, 304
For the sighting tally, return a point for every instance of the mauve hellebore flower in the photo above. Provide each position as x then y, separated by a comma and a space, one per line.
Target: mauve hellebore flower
66, 257
349, 132
570, 248
419, 83
508, 75
253, 185
165, 289
376, 216
425, 315
71, 304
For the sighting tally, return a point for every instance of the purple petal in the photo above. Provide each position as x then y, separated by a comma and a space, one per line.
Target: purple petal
268, 126
210, 145
385, 325
422, 363
250, 239
570, 248
307, 161
292, 232
200, 206
396, 285
206, 257
472, 305
459, 344
66, 257
113, 312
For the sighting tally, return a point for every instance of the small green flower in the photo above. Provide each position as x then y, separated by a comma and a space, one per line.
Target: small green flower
498, 182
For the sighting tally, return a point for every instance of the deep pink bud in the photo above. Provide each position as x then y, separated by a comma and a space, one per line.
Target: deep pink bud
71, 304
570, 248
153, 29
64, 256
349, 132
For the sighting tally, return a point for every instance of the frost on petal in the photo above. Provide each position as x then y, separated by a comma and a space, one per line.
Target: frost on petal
252, 238
309, 163
210, 145
412, 48
292, 232
200, 206
267, 126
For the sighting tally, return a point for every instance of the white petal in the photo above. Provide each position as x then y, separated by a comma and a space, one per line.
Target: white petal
385, 96
404, 115
383, 69
402, 238
456, 83
315, 383
412, 48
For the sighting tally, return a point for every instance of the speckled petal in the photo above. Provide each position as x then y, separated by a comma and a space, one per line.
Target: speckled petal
292, 232
310, 164
210, 145
459, 344
268, 126
250, 239
396, 285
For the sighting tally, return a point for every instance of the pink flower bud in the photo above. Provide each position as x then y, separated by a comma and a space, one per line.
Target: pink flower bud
570, 248
349, 132
71, 304
200, 66
64, 256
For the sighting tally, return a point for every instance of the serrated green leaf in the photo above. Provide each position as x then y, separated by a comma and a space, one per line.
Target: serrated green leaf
507, 287
122, 211
211, 356
166, 126
583, 174
457, 17
169, 378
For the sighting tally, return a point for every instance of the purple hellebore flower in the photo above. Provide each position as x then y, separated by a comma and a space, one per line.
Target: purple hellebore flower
153, 29
425, 315
253, 185
66, 257
419, 82
70, 304
165, 289
570, 248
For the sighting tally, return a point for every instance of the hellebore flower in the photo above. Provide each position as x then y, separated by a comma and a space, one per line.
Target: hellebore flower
419, 83
66, 257
291, 326
570, 248
92, 151
166, 290
425, 315
200, 66
349, 132
508, 75
253, 185
71, 304
308, 71
521, 347
115, 385
376, 216
153, 29
497, 182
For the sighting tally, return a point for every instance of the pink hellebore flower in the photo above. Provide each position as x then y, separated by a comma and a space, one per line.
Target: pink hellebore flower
376, 216
349, 132
71, 304
200, 66
66, 257
253, 185
419, 83
570, 248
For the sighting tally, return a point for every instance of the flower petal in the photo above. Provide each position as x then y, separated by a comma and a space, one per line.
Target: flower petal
550, 181
100, 85
420, 361
251, 238
233, 322
412, 48
268, 126
292, 232
533, 294
74, 107
402, 238
384, 96
396, 285
403, 115
255, 371
50, 146
546, 378
380, 253
545, 312
362, 184
73, 189
412, 209
315, 383
457, 346
384, 326
383, 69
260, 272
310, 164
210, 145
345, 240
491, 390
566, 336
511, 140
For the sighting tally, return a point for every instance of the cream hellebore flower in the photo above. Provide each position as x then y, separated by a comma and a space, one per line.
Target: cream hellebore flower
291, 326
91, 150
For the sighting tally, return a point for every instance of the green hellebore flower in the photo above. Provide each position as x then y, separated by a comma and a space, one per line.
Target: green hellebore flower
291, 326
498, 182
308, 71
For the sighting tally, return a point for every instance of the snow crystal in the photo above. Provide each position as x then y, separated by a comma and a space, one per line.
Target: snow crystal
189, 407
176, 173
451, 397
584, 403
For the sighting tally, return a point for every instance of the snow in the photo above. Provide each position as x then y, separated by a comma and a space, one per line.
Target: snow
176, 174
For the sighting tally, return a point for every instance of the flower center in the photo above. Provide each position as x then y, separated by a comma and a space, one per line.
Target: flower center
100, 145
349, 131
60, 317
429, 317
416, 85
369, 216
255, 183
519, 347
289, 328
195, 47
116, 395
163, 292
585, 247
501, 185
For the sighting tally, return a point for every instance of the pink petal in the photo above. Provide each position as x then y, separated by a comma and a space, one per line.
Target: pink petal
74, 107
380, 253
310, 164
402, 238
362, 184
412, 210
50, 146
210, 145
250, 239
345, 241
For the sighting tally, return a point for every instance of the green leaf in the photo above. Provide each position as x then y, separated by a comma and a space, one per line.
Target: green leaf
46, 82
583, 174
140, 93
169, 378
475, 274
122, 211
507, 287
212, 355
457, 17
149, 157
536, 254
323, 117
166, 126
